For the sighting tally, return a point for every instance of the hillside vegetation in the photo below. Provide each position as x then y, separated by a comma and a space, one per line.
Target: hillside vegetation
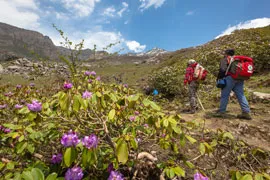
168, 77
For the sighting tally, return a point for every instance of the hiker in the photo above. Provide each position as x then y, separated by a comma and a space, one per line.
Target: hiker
193, 84
231, 84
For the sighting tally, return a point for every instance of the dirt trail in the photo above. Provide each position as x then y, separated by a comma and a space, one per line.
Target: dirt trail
255, 132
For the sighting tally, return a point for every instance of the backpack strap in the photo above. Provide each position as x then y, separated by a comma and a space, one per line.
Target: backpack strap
230, 59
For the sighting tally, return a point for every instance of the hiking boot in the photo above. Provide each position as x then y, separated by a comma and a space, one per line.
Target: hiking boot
219, 114
245, 116
191, 112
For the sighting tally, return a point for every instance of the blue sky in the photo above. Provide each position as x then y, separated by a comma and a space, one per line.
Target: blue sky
139, 25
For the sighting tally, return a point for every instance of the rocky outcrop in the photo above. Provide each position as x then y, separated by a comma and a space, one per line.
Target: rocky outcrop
25, 68
259, 96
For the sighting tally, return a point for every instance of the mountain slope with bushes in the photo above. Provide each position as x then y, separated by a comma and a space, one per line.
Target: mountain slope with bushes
168, 77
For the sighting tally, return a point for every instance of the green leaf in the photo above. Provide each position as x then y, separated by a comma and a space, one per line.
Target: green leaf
20, 147
165, 122
31, 148
191, 139
172, 174
247, 177
64, 102
111, 114
179, 171
26, 175
70, 156
228, 135
238, 175
258, 176
76, 103
37, 174
266, 176
146, 102
133, 143
113, 97
21, 138
154, 106
176, 129
98, 94
189, 164
122, 151
8, 175
202, 149
10, 165
45, 105
31, 116
52, 176
182, 140
2, 165
24, 110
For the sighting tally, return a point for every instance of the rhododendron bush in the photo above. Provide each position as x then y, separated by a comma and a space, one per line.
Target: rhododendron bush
92, 130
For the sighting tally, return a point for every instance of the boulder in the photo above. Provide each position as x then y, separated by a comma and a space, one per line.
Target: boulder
13, 68
261, 96
1, 69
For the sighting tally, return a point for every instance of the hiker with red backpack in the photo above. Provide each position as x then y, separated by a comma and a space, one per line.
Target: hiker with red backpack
194, 73
232, 73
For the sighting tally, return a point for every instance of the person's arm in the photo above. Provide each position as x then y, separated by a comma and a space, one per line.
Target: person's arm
188, 75
222, 68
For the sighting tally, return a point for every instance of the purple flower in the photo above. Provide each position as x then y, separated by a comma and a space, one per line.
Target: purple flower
3, 106
28, 91
70, 139
93, 73
1, 127
110, 167
86, 95
146, 125
9, 94
199, 176
132, 118
74, 173
98, 78
90, 80
35, 106
125, 85
67, 85
32, 84
136, 113
114, 175
56, 159
87, 73
19, 86
6, 130
18, 106
90, 141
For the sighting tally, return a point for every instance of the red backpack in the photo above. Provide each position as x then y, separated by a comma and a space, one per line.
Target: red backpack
200, 72
240, 67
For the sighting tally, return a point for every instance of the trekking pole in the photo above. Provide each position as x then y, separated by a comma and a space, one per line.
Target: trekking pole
200, 102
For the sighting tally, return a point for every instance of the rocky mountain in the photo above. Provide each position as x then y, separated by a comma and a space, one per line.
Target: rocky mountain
17, 42
153, 52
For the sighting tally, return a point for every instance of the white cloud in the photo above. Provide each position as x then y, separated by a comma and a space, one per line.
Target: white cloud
125, 7
135, 46
80, 8
110, 11
19, 13
190, 13
126, 22
255, 23
145, 4
61, 16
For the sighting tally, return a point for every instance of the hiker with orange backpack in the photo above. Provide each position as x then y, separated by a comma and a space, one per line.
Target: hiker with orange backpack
232, 73
194, 73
